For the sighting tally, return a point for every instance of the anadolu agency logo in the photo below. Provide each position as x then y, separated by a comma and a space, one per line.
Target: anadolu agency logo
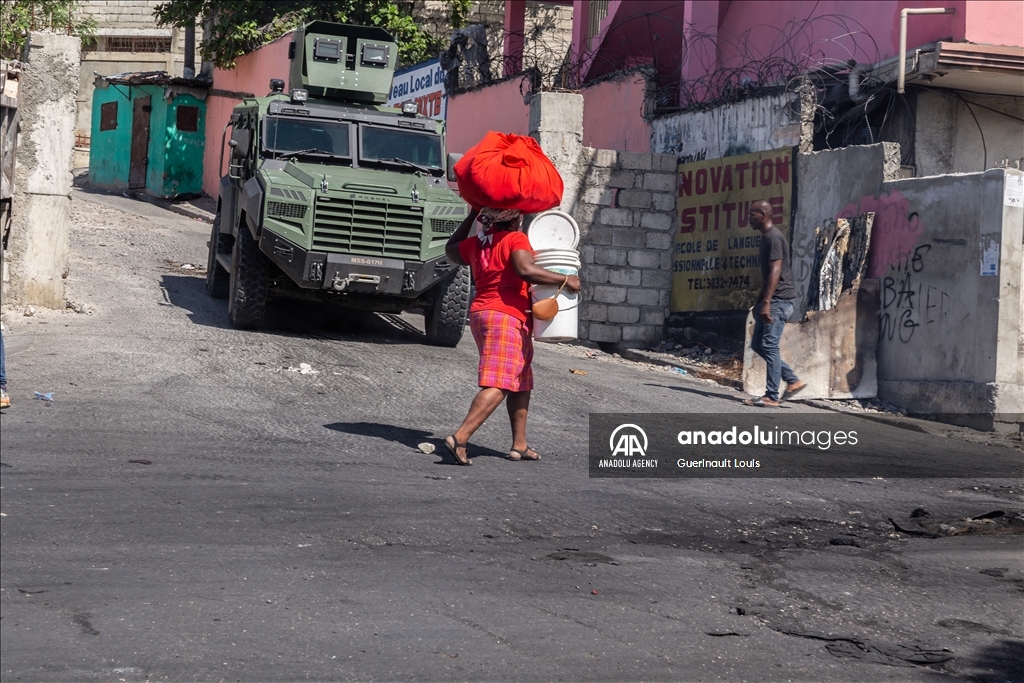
628, 446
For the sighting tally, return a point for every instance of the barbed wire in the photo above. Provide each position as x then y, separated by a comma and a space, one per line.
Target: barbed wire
816, 53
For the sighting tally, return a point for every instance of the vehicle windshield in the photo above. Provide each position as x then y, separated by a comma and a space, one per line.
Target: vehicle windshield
284, 135
391, 145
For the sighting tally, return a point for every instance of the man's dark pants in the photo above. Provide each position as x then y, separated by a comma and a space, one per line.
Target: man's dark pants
765, 343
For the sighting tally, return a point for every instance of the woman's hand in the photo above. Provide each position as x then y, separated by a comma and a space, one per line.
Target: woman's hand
535, 275
451, 249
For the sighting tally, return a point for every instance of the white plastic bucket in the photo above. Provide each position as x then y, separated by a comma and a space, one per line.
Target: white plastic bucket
557, 258
553, 229
566, 323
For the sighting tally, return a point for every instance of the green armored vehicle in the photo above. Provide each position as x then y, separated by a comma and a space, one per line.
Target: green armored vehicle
332, 196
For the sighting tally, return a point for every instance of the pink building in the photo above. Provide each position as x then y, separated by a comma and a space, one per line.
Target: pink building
251, 76
649, 71
639, 64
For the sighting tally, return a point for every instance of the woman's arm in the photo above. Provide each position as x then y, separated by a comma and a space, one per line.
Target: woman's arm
451, 249
535, 275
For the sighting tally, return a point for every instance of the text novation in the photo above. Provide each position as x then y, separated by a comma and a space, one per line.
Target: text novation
823, 439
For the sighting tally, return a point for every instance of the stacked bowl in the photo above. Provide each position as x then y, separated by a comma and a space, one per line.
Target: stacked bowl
554, 237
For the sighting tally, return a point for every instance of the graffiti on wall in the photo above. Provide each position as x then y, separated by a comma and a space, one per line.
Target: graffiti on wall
715, 252
895, 233
911, 298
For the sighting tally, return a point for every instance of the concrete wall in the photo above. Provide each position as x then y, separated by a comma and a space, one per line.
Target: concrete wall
754, 125
624, 203
833, 351
827, 184
614, 114
627, 211
252, 74
497, 107
949, 336
42, 204
964, 134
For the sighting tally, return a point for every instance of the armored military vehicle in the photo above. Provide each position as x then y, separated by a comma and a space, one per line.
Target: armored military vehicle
332, 196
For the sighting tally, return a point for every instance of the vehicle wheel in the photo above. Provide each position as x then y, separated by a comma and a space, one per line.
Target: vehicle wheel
217, 278
446, 319
250, 268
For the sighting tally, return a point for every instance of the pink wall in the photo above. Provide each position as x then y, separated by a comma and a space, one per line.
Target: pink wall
995, 23
497, 107
877, 27
788, 29
613, 115
252, 73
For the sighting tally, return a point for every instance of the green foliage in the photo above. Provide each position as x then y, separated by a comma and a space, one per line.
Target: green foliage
236, 27
18, 17
460, 13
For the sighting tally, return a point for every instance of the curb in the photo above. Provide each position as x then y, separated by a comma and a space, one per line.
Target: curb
908, 423
696, 371
187, 211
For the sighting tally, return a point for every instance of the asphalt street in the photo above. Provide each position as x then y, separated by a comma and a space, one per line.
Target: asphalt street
285, 526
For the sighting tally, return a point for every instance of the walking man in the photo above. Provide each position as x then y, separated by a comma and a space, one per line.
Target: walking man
774, 306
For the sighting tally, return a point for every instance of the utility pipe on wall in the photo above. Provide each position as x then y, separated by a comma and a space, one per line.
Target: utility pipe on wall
903, 37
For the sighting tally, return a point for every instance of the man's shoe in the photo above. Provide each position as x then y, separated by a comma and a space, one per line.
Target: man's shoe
5, 400
794, 389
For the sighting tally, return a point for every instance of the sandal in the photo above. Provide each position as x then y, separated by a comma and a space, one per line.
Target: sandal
794, 389
761, 402
453, 447
523, 454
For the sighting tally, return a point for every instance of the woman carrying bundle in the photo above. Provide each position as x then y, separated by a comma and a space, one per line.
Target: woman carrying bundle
501, 262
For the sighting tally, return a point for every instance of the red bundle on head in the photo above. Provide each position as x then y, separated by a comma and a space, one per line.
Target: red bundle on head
507, 171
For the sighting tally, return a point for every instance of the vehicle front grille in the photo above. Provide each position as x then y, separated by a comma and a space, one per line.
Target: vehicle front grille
441, 226
286, 210
361, 227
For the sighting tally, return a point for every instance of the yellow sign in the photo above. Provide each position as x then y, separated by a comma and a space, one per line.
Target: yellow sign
715, 252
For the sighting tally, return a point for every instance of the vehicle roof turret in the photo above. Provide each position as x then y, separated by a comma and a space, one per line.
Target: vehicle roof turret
343, 62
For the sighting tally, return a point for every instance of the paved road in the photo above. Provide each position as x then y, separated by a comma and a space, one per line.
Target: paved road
289, 528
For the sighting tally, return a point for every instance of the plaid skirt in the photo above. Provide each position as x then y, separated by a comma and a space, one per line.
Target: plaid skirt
506, 350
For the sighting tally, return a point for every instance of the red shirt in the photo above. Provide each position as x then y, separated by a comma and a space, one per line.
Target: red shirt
498, 287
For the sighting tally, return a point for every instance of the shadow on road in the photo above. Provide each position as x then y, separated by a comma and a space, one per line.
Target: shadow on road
289, 317
189, 293
403, 435
997, 662
411, 438
688, 390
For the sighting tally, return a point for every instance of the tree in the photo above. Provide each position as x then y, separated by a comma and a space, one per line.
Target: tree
18, 17
235, 27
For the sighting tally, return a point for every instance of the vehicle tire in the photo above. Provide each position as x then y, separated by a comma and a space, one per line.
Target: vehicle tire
217, 278
446, 318
250, 269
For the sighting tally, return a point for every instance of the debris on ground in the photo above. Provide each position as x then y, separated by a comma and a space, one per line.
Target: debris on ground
303, 369
867, 405
578, 372
141, 461
45, 397
426, 447
29, 311
78, 307
994, 522
700, 360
